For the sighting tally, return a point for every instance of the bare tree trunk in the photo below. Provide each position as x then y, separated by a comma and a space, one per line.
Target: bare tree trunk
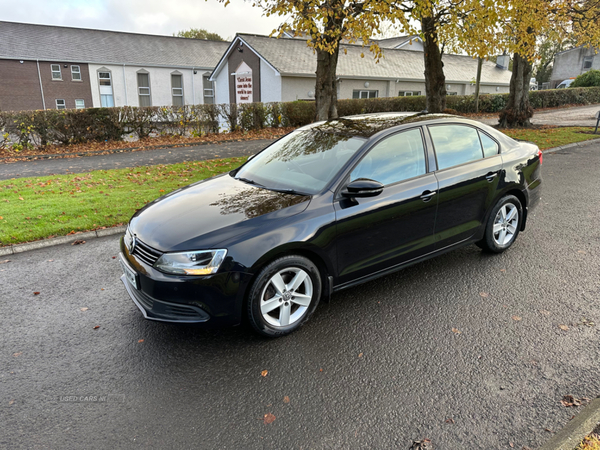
518, 111
477, 83
326, 85
435, 81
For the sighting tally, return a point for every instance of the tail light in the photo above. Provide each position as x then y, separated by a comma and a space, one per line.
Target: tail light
539, 153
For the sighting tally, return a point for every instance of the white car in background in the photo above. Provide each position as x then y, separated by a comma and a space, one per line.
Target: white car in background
565, 84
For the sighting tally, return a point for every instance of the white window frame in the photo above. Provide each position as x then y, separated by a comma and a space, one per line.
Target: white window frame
52, 66
175, 91
58, 105
76, 72
139, 88
112, 94
588, 59
82, 103
366, 92
408, 93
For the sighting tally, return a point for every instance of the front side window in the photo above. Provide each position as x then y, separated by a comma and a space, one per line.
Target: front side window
365, 94
76, 73
106, 91
56, 74
144, 89
396, 158
79, 104
587, 62
455, 144
177, 89
60, 104
304, 161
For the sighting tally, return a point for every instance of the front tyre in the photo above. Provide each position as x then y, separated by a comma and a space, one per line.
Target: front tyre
503, 225
283, 296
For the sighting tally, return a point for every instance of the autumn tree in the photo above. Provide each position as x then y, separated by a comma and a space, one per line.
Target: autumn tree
325, 23
198, 33
525, 21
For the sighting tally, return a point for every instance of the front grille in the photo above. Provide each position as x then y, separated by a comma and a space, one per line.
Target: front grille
146, 253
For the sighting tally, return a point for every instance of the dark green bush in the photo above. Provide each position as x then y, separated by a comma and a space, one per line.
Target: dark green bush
298, 113
587, 79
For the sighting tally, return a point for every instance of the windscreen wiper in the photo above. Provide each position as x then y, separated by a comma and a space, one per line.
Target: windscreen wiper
286, 191
249, 181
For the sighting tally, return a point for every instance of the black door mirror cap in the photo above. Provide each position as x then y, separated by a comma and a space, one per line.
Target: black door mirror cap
363, 187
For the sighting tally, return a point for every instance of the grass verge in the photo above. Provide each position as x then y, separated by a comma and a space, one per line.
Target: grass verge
58, 205
550, 137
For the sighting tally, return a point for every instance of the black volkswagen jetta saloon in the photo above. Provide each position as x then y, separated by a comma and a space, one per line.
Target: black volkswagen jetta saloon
328, 206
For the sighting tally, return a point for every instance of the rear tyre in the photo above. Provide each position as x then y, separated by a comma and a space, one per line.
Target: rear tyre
283, 296
503, 225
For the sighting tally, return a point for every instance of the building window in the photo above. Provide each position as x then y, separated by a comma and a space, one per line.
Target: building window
177, 89
60, 104
451, 93
365, 94
408, 93
587, 62
56, 75
79, 104
209, 92
76, 73
106, 91
143, 80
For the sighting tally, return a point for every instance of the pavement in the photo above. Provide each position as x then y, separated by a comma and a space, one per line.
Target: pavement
465, 349
575, 116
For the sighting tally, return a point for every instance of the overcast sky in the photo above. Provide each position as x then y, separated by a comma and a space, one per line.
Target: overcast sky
142, 16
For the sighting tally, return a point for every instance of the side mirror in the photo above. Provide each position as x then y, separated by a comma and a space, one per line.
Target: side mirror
363, 187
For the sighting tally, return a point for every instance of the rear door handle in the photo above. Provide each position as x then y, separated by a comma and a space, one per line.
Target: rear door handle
490, 176
426, 195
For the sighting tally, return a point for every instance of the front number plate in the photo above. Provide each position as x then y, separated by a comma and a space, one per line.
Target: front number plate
129, 273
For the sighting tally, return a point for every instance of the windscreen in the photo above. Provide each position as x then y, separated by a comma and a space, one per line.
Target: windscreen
303, 161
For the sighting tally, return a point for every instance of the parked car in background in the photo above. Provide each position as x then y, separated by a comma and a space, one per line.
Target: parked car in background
565, 84
326, 207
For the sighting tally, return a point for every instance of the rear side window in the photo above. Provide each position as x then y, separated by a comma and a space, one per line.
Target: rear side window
490, 147
393, 159
455, 144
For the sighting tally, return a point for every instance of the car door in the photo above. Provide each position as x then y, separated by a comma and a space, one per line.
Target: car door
397, 225
468, 172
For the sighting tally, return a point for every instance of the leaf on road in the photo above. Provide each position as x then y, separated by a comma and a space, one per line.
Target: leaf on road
286, 399
423, 444
450, 420
360, 355
517, 318
587, 322
545, 312
96, 327
16, 355
114, 257
456, 331
36, 293
83, 309
484, 294
511, 444
502, 270
581, 251
140, 341
264, 373
569, 400
78, 242
5, 261
320, 370
10, 402
268, 418
563, 327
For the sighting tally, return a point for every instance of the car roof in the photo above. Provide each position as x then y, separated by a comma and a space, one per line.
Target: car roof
367, 125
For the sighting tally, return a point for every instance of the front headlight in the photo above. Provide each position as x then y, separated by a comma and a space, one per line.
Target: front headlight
200, 262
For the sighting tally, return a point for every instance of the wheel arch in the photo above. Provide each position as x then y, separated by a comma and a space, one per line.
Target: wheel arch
523, 199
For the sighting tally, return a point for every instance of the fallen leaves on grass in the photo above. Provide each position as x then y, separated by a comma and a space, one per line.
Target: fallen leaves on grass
268, 418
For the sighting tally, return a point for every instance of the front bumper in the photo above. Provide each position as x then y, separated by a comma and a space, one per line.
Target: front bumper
212, 299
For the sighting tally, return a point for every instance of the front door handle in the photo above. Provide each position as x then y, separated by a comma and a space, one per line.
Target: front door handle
426, 195
490, 176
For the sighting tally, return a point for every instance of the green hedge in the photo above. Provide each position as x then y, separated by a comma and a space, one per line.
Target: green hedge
40, 128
